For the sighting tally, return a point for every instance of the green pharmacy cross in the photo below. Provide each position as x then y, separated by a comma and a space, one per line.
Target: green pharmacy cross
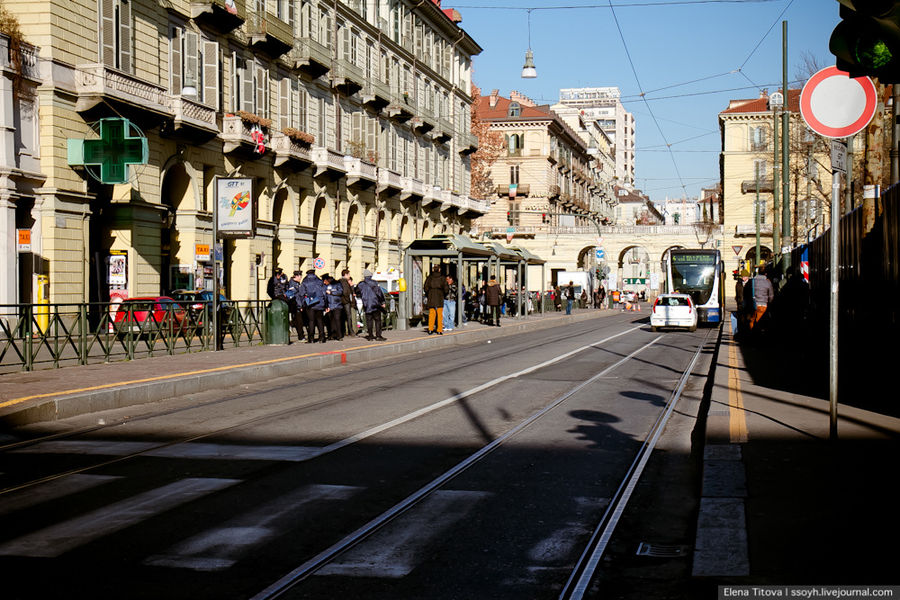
113, 152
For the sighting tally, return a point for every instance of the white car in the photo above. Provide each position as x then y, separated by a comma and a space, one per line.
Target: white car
673, 310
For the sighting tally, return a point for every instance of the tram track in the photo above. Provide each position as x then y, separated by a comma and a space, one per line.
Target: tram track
585, 566
295, 410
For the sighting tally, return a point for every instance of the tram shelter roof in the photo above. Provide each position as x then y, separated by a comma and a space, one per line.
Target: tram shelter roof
449, 245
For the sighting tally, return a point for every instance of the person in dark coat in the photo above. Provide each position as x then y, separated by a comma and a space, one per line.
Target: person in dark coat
436, 289
373, 304
348, 318
334, 306
277, 285
492, 301
312, 294
295, 301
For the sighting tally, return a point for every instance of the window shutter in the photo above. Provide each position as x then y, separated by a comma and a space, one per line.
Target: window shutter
262, 108
107, 33
175, 59
125, 41
191, 58
284, 102
210, 74
247, 85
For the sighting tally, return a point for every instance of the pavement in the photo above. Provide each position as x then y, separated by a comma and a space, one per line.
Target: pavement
783, 502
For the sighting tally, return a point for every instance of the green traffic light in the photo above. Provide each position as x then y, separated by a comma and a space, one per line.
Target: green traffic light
873, 54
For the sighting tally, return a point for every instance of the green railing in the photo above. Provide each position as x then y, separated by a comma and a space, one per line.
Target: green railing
47, 336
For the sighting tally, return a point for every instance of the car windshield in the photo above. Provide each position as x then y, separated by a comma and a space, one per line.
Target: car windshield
136, 306
694, 274
674, 301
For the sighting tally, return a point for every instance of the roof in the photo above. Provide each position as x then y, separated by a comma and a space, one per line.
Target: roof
501, 110
761, 104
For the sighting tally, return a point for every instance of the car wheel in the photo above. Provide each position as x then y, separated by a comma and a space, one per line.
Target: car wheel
692, 328
654, 328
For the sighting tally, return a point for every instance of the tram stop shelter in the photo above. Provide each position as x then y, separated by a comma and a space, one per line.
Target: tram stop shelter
469, 261
527, 260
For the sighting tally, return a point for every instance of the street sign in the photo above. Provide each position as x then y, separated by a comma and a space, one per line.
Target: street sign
737, 250
834, 105
600, 253
839, 156
319, 263
24, 240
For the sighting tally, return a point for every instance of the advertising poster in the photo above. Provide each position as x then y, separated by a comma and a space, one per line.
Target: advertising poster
417, 287
234, 205
118, 268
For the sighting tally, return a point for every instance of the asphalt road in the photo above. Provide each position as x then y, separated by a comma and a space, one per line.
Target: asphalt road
471, 472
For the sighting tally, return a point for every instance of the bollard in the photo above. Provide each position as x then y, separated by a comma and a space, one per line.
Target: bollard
277, 323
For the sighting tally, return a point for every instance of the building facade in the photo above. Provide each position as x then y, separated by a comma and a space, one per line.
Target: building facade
349, 120
751, 161
603, 105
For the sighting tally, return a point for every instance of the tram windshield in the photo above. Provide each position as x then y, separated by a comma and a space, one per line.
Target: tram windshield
694, 274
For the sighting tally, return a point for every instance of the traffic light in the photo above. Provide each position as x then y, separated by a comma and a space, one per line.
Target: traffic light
867, 40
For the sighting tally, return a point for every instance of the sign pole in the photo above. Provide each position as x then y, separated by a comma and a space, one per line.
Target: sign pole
214, 318
833, 308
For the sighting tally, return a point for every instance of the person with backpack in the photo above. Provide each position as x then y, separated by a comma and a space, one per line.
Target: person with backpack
373, 305
570, 297
312, 294
277, 285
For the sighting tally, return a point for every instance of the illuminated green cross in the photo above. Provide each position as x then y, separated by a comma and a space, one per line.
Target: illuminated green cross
113, 152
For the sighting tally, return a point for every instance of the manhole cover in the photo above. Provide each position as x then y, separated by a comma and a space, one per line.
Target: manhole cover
661, 550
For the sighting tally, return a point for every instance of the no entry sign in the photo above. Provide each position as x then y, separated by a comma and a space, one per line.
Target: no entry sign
834, 105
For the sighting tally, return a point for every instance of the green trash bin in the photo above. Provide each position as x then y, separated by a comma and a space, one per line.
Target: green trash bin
278, 318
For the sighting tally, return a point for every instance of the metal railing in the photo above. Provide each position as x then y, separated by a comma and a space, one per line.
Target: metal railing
45, 336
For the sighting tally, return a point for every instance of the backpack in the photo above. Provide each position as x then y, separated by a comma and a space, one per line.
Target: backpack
312, 300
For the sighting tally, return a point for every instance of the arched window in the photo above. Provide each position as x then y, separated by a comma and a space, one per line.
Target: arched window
515, 109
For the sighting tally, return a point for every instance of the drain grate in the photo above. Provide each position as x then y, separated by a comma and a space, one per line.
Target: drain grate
661, 550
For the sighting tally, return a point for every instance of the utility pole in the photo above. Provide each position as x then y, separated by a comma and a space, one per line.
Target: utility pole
785, 158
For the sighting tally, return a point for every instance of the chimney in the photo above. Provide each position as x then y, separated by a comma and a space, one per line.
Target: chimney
494, 95
764, 93
521, 98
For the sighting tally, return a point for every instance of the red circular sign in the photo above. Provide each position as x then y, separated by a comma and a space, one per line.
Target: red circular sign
834, 105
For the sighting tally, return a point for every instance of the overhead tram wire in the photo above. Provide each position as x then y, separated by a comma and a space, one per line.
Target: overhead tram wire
619, 5
643, 97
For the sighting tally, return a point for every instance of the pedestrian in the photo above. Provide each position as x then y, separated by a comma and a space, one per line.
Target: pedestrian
334, 306
277, 284
557, 298
348, 316
570, 297
312, 292
450, 304
602, 294
742, 310
436, 289
373, 305
763, 293
293, 295
492, 300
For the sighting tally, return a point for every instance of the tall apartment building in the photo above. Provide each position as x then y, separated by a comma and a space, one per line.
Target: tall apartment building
603, 105
348, 119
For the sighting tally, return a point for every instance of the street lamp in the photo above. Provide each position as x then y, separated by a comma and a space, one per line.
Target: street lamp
528, 70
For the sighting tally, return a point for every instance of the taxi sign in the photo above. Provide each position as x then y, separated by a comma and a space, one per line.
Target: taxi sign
23, 240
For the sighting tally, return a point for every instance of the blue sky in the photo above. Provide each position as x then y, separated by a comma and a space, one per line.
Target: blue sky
727, 49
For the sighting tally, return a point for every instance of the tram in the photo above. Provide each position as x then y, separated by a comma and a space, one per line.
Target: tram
700, 274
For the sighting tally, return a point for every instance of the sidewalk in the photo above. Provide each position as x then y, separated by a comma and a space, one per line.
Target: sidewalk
46, 395
782, 503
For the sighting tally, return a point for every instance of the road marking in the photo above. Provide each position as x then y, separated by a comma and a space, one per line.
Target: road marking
188, 450
51, 491
395, 551
218, 549
56, 539
272, 361
737, 418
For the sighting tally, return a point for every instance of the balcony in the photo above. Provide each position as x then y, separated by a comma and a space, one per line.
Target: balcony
443, 131
222, 15
765, 186
347, 78
376, 94
290, 151
750, 230
359, 172
192, 120
410, 187
475, 208
269, 34
138, 100
328, 162
310, 57
553, 191
422, 124
389, 181
468, 143
522, 189
238, 137
402, 108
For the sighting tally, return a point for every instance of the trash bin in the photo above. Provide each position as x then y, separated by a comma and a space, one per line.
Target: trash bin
278, 319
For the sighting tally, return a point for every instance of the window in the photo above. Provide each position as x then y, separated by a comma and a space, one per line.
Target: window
194, 63
116, 34
514, 144
515, 109
758, 138
514, 174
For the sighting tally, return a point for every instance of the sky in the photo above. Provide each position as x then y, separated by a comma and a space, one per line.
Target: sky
688, 58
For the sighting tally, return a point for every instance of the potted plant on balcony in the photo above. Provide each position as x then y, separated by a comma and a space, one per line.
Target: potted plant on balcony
253, 119
299, 136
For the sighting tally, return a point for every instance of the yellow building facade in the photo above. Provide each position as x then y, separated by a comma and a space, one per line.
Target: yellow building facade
749, 162
349, 119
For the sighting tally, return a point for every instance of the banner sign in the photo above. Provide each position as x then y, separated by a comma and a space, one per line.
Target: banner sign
234, 205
